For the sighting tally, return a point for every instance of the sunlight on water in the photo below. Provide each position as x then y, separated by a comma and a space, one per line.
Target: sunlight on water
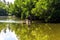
8, 35
10, 21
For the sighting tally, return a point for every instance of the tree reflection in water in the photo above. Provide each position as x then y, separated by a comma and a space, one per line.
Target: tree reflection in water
6, 34
31, 32
34, 31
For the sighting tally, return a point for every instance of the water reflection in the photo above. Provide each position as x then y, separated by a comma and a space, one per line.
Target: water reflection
3, 17
35, 31
40, 31
32, 32
7, 35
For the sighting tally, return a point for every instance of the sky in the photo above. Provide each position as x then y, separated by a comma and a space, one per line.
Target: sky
10, 1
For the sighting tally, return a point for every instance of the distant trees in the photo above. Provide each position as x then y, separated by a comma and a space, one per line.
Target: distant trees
45, 10
3, 8
24, 8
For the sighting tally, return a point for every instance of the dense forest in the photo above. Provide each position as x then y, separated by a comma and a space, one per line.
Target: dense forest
43, 10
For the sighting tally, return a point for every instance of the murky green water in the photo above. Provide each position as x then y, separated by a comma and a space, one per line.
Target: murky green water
35, 31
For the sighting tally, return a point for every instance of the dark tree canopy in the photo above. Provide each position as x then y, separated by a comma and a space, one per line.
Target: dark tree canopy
45, 10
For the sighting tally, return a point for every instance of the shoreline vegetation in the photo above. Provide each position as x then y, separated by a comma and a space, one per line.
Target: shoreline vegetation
45, 11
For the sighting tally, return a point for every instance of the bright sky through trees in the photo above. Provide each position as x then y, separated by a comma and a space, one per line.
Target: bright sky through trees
10, 1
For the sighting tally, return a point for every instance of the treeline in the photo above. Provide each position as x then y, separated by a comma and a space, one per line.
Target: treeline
44, 10
3, 11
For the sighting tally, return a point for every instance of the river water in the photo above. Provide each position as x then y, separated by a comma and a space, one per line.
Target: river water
10, 29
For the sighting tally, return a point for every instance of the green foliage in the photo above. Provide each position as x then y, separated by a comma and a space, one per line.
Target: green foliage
43, 9
24, 8
2, 5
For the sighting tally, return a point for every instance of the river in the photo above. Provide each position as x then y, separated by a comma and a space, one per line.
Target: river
10, 29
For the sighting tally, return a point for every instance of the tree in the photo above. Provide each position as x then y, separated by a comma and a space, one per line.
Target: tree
39, 9
3, 11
